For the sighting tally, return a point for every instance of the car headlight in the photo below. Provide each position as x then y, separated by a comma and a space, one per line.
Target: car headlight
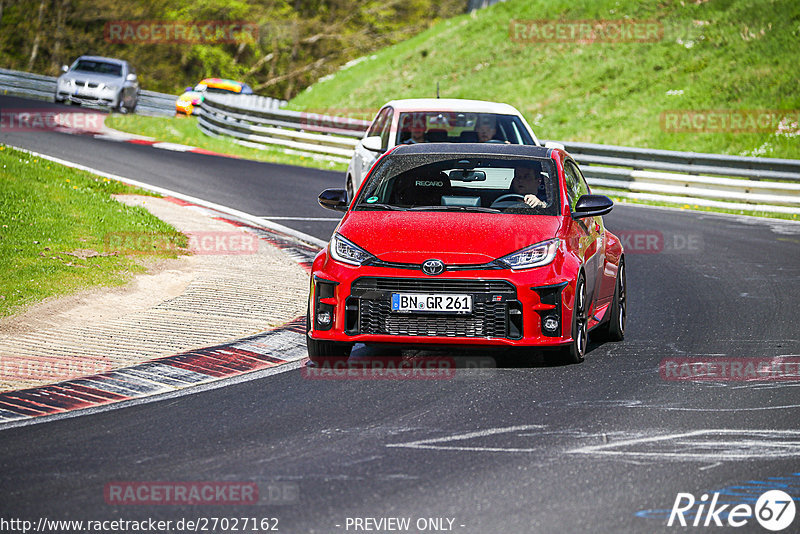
347, 251
532, 256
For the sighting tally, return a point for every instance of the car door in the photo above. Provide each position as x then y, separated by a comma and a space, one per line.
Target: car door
364, 158
589, 231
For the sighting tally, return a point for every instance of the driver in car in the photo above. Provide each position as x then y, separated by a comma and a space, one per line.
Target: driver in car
530, 184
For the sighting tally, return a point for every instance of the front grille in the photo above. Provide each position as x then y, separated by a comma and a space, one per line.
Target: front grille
369, 309
486, 320
443, 285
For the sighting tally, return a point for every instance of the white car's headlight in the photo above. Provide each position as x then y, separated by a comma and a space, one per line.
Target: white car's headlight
348, 252
532, 256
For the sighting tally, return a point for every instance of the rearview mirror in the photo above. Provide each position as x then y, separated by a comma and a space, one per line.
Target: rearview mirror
465, 175
131, 77
333, 199
64, 68
592, 206
373, 143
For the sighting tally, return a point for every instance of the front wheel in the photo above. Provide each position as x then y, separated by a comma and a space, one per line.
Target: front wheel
614, 329
350, 190
576, 350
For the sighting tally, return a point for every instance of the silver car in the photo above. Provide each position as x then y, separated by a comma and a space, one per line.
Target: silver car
100, 81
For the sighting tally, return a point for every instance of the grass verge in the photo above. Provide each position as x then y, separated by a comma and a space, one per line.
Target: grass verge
710, 55
184, 131
55, 223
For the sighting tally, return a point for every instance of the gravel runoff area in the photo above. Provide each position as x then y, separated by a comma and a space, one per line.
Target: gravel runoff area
232, 285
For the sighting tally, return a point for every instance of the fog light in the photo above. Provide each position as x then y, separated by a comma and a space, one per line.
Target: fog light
324, 318
550, 323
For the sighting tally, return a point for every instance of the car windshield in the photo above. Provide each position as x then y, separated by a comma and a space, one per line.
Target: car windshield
98, 67
526, 186
460, 127
220, 90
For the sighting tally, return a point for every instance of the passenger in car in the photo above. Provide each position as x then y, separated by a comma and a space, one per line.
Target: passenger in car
415, 124
530, 184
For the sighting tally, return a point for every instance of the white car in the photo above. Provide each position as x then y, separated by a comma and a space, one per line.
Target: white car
435, 120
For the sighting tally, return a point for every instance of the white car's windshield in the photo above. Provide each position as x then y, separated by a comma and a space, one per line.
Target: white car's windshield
461, 127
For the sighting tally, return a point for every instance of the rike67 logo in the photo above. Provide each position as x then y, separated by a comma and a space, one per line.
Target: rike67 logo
774, 510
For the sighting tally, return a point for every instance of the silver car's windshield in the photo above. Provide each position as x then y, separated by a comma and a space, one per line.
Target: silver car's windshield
98, 67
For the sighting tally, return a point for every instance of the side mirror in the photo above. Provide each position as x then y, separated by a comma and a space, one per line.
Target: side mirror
592, 206
64, 68
333, 199
373, 143
188, 89
131, 77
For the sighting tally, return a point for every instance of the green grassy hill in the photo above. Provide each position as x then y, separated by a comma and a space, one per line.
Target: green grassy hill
713, 55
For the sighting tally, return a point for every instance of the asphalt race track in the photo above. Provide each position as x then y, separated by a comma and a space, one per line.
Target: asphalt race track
604, 446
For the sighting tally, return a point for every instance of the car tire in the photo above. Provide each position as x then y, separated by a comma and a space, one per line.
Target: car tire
321, 352
614, 328
350, 190
575, 352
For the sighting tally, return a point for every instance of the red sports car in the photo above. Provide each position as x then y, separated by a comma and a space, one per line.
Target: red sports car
468, 244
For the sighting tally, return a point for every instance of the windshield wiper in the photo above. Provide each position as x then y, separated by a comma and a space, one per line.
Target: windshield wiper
455, 208
380, 206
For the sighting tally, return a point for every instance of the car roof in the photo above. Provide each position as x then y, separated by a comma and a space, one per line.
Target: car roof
101, 58
452, 104
472, 149
222, 83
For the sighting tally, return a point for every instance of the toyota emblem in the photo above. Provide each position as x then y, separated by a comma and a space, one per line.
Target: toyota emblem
433, 267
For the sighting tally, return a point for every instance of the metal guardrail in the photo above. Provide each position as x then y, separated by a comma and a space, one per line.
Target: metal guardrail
260, 126
734, 182
39, 87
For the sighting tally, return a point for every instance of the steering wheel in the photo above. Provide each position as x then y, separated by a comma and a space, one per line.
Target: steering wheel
508, 200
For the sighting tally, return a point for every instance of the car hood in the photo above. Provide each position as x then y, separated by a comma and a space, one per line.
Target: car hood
92, 77
466, 238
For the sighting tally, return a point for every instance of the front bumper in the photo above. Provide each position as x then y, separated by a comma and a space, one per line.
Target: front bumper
100, 97
509, 308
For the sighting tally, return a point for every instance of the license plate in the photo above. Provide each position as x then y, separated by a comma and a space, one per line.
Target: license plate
431, 303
